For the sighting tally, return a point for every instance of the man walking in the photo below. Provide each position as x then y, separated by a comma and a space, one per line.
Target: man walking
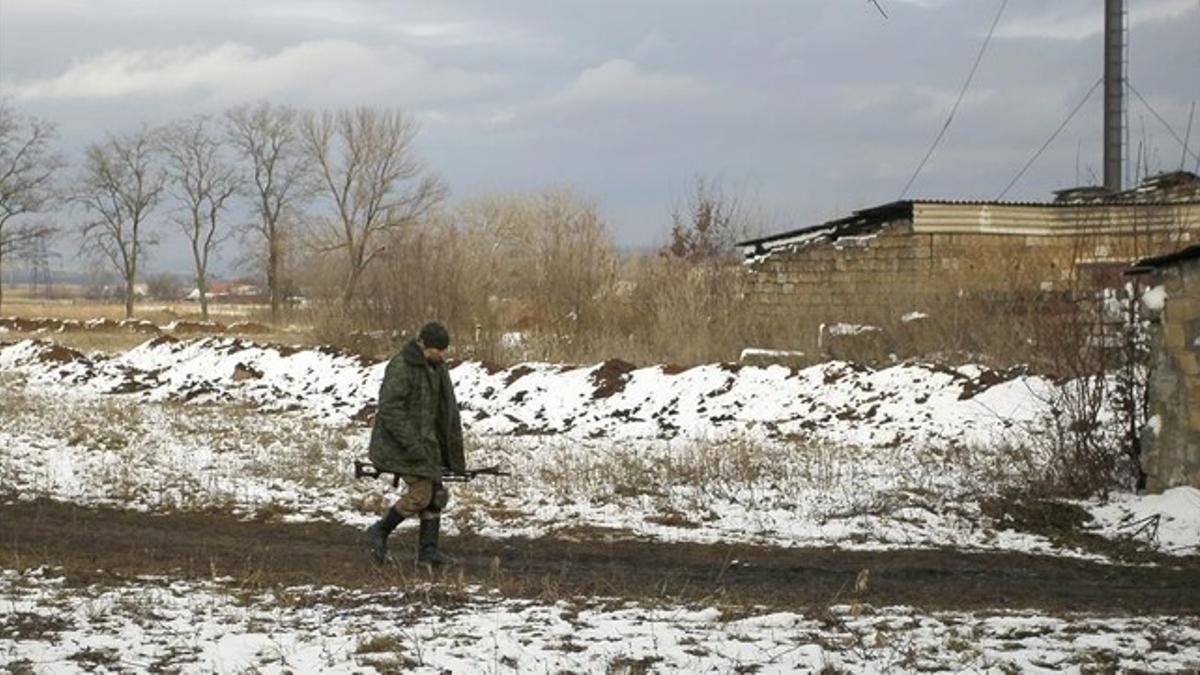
417, 434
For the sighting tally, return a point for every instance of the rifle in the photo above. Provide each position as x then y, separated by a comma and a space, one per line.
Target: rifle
370, 470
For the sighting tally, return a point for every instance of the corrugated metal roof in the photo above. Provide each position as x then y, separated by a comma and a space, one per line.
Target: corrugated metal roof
1150, 264
877, 215
859, 222
1062, 205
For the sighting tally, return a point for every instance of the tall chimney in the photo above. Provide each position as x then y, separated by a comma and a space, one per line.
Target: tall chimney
1114, 91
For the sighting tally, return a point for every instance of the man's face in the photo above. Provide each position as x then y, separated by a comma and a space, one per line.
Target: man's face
434, 355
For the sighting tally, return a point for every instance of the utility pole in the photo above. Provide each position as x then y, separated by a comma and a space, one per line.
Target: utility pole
41, 267
1114, 92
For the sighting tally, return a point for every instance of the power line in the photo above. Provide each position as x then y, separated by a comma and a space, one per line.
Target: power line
1050, 140
1187, 137
1162, 121
962, 92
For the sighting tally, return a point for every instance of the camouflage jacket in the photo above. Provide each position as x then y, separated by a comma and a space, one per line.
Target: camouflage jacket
417, 430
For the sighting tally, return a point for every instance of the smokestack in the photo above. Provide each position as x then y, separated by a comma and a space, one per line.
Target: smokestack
1114, 91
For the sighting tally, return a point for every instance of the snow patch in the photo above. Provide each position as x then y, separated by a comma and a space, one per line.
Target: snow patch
849, 329
833, 402
211, 626
1154, 299
1170, 521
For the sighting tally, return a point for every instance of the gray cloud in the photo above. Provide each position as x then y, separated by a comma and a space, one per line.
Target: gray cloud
814, 108
235, 72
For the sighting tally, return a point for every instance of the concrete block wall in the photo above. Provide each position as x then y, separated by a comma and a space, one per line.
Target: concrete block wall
1171, 445
877, 279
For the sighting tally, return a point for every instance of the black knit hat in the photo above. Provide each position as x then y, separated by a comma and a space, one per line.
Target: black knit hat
435, 335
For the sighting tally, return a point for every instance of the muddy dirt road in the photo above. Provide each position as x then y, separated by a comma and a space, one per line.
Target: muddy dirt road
92, 545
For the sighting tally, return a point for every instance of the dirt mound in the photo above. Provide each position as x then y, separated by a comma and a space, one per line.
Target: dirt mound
243, 372
194, 327
988, 379
22, 325
365, 415
363, 360
248, 328
490, 367
162, 340
43, 325
1035, 515
610, 377
55, 353
516, 374
139, 326
96, 326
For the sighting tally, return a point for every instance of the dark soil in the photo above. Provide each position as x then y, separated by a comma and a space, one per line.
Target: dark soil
95, 545
610, 378
516, 373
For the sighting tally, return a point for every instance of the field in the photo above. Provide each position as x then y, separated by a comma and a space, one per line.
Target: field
69, 307
188, 504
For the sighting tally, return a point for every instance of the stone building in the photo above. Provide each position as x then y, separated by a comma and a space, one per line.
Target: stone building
963, 261
1171, 441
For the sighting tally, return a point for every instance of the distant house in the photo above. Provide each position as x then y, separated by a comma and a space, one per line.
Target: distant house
117, 291
882, 263
1171, 441
216, 289
219, 291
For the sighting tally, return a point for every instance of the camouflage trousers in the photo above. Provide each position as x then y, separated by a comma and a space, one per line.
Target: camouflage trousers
422, 497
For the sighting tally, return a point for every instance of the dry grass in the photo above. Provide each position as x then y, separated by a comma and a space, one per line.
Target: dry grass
85, 341
161, 314
70, 304
121, 341
81, 309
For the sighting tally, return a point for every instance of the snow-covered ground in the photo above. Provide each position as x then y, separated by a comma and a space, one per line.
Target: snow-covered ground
150, 624
833, 455
836, 402
830, 455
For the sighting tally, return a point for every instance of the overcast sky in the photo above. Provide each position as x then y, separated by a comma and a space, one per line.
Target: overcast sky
810, 108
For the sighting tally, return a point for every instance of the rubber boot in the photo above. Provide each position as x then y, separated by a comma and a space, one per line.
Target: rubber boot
377, 535
428, 552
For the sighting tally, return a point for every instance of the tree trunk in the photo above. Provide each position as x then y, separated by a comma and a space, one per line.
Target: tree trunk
351, 287
1, 278
273, 279
131, 277
129, 297
201, 280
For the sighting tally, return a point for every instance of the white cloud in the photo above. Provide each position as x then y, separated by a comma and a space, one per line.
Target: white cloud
923, 4
234, 71
622, 81
501, 117
936, 102
1077, 22
652, 43
859, 97
417, 24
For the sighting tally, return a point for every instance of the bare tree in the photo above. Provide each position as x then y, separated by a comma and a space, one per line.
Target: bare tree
28, 164
122, 183
370, 173
573, 260
709, 225
266, 139
203, 181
